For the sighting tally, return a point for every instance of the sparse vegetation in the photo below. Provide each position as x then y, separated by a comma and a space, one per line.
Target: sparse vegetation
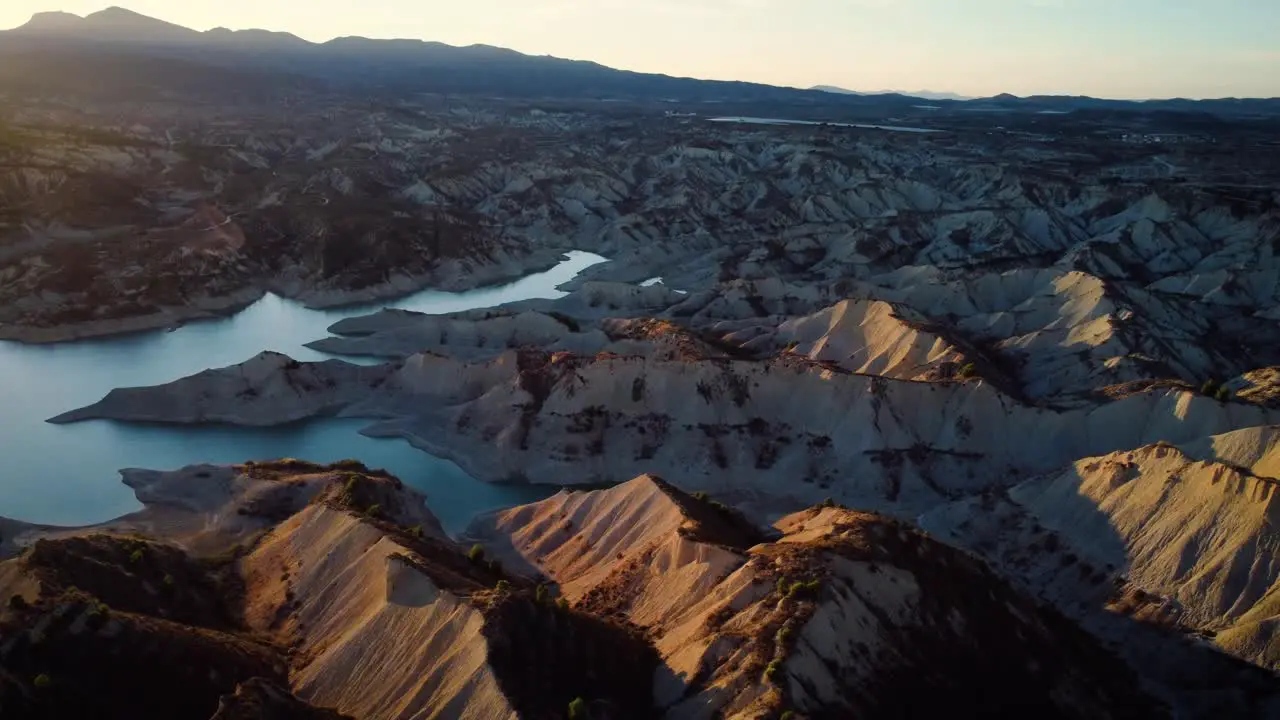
1223, 395
540, 594
476, 554
503, 586
967, 371
773, 670
43, 682
578, 709
374, 511
416, 531
136, 556
562, 603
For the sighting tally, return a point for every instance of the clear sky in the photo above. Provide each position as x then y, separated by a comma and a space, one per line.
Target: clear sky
1107, 48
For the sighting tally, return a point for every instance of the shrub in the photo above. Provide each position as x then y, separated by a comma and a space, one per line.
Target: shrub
1223, 394
169, 582
804, 589
416, 531
503, 586
136, 556
701, 496
773, 670
784, 636
43, 681
97, 616
373, 511
578, 709
540, 595
1210, 387
476, 553
787, 715
562, 603
782, 586
828, 503
968, 370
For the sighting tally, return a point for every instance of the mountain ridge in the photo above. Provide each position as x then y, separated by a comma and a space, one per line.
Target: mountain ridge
391, 62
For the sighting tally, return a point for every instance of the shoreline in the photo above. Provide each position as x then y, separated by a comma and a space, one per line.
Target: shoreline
490, 275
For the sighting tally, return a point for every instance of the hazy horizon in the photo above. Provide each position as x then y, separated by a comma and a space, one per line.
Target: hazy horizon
1135, 49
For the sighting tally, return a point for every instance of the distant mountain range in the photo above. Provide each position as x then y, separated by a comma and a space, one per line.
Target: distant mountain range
923, 94
114, 50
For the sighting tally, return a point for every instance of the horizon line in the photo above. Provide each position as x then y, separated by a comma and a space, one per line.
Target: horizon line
815, 87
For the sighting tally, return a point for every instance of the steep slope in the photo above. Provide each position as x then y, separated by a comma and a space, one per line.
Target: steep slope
845, 614
346, 595
868, 338
1188, 530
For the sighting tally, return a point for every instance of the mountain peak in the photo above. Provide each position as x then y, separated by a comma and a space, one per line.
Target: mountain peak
118, 18
55, 20
114, 23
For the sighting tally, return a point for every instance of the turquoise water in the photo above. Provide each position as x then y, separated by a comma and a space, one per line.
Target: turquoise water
67, 474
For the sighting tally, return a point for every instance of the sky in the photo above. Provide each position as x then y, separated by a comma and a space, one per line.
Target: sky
1104, 48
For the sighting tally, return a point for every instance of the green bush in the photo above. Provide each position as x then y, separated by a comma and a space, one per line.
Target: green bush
701, 496
43, 681
787, 715
540, 595
968, 370
476, 554
1210, 387
808, 589
772, 672
97, 616
562, 603
374, 511
782, 586
416, 531
503, 586
783, 636
136, 557
578, 709
1223, 394
169, 582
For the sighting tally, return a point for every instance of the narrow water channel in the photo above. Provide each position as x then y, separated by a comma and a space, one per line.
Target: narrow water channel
67, 474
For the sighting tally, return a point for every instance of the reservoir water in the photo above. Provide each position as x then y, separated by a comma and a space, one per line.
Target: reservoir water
67, 474
779, 121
